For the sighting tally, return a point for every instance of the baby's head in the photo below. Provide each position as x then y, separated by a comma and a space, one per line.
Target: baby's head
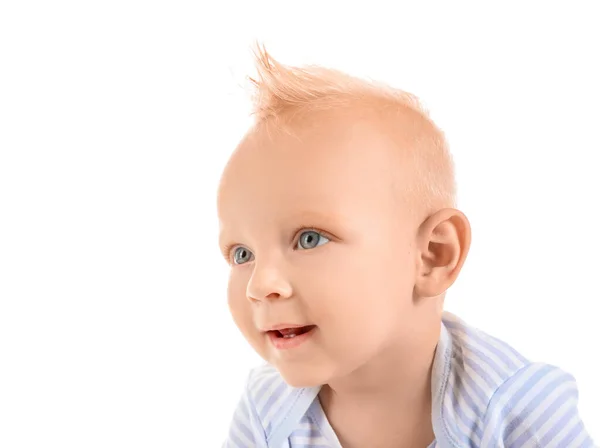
337, 215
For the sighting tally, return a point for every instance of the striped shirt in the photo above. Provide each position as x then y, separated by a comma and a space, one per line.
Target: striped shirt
485, 394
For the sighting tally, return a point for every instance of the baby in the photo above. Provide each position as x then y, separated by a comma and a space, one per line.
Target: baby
338, 219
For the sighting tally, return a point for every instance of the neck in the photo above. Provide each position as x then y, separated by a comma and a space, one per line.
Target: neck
399, 373
388, 379
393, 393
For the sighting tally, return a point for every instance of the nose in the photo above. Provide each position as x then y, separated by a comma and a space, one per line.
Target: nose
268, 282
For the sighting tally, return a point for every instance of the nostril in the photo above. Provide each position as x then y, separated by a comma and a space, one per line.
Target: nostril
260, 298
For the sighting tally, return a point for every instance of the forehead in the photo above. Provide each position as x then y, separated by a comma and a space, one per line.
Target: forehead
334, 166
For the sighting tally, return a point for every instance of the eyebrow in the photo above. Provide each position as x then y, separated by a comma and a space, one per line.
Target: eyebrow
222, 234
307, 215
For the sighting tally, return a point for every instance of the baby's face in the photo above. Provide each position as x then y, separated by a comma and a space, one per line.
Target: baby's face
316, 239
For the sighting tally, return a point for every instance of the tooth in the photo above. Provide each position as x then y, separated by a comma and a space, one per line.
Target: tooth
289, 335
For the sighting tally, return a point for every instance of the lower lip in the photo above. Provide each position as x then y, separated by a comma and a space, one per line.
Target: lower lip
288, 343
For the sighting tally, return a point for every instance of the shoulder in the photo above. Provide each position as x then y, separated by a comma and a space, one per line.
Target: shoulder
496, 397
537, 407
478, 364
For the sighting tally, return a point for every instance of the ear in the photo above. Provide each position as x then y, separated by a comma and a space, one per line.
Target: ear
443, 243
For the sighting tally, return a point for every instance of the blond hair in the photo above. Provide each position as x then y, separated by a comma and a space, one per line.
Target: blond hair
283, 93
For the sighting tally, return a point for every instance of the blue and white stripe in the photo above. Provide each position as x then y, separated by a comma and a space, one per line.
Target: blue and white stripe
486, 394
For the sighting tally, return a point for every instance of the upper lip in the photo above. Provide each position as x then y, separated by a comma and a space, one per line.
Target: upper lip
283, 327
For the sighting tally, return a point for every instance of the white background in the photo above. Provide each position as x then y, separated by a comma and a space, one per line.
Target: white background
116, 118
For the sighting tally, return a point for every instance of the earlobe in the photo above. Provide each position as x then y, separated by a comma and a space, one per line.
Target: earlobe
444, 241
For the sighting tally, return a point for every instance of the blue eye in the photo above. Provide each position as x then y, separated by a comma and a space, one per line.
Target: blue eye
241, 255
311, 239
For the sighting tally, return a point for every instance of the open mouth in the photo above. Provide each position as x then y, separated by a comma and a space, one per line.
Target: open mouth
289, 333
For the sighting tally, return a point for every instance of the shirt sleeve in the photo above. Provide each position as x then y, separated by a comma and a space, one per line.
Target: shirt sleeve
245, 429
536, 407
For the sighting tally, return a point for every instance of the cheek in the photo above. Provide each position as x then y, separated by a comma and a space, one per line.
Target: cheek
356, 278
353, 290
239, 306
242, 312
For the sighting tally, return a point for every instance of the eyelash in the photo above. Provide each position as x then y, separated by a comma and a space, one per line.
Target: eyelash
228, 251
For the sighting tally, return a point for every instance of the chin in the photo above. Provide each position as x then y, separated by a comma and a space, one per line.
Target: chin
299, 378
